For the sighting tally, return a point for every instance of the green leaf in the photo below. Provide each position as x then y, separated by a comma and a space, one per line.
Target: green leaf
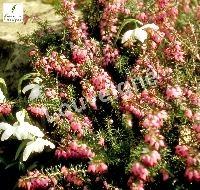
21, 166
25, 77
32, 166
20, 148
127, 21
2, 160
10, 165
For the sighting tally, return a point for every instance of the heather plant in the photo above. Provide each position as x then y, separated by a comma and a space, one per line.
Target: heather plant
115, 98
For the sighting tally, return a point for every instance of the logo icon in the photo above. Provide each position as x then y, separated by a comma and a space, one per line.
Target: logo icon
12, 12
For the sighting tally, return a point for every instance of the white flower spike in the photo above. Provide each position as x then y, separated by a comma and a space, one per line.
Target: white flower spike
36, 146
2, 97
138, 33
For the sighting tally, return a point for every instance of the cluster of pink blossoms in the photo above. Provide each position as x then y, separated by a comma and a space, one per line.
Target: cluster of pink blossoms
138, 170
5, 108
74, 150
165, 17
97, 168
196, 128
38, 111
192, 160
193, 97
78, 125
108, 28
71, 176
135, 185
60, 65
102, 83
36, 180
77, 29
151, 159
174, 51
89, 93
109, 20
154, 141
79, 55
129, 101
110, 54
154, 120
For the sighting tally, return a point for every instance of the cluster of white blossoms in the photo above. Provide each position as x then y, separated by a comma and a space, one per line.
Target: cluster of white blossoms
138, 33
25, 131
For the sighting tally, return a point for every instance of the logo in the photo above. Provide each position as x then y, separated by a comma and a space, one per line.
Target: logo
12, 12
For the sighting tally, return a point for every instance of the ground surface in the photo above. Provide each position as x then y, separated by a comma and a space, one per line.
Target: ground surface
8, 31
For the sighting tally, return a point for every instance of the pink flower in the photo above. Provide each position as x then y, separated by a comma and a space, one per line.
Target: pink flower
139, 171
5, 109
173, 12
162, 114
173, 92
79, 55
189, 174
75, 126
196, 127
196, 117
188, 113
92, 168
151, 159
69, 115
165, 176
102, 168
174, 52
142, 17
196, 175
50, 93
101, 141
182, 150
191, 161
162, 3
38, 111
73, 150
152, 121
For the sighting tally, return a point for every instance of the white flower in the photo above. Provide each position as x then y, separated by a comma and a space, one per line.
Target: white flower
20, 129
2, 97
35, 89
36, 146
9, 130
138, 33
37, 80
152, 26
25, 130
